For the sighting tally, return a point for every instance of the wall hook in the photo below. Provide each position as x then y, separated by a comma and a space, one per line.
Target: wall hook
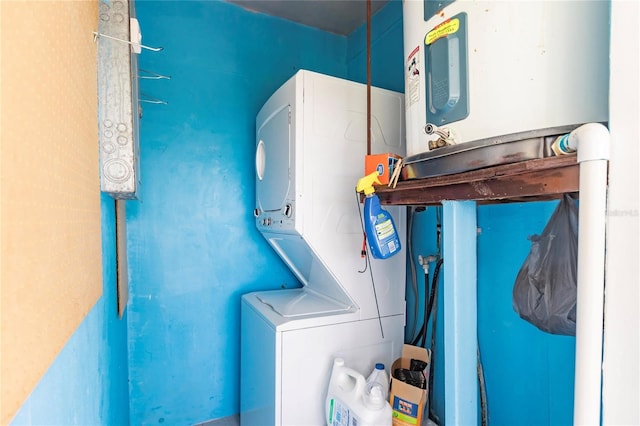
152, 75
96, 35
151, 100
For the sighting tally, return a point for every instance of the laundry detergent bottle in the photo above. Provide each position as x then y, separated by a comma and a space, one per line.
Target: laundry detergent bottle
378, 224
349, 404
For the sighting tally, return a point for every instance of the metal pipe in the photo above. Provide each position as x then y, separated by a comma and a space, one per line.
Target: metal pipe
368, 77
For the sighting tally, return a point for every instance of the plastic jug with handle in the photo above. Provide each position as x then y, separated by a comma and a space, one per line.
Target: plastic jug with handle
349, 404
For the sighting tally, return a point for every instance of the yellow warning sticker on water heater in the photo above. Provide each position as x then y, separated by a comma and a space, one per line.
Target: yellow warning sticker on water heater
448, 27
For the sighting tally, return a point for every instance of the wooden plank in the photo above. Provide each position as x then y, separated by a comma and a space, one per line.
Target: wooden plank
531, 180
51, 239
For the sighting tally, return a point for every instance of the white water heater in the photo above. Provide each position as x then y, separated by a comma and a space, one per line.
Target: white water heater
481, 69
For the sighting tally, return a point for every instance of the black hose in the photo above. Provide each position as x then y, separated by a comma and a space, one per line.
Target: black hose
434, 326
414, 286
434, 287
428, 302
423, 331
484, 408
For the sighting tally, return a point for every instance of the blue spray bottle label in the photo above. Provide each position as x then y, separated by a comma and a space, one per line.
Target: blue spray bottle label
378, 223
380, 229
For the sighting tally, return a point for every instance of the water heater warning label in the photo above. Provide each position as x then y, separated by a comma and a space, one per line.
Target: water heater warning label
446, 28
412, 78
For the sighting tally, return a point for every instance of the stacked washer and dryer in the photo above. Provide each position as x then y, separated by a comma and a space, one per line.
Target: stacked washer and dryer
311, 140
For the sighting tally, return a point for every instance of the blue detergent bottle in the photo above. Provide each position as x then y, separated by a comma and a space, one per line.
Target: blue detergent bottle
378, 224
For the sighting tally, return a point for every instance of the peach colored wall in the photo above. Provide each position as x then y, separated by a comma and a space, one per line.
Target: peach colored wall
51, 269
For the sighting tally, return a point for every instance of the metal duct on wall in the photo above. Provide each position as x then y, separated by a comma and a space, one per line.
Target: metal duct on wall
118, 116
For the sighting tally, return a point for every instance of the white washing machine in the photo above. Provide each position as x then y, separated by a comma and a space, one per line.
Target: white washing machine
310, 146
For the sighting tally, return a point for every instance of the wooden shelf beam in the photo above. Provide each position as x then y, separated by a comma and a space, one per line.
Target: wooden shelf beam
540, 179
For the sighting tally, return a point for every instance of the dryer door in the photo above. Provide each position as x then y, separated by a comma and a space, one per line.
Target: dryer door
273, 161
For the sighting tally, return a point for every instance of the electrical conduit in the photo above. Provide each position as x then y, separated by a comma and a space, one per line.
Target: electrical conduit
592, 143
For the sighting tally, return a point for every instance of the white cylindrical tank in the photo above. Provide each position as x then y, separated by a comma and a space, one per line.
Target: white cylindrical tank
489, 68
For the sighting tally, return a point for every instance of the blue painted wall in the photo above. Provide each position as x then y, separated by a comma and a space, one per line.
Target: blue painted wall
194, 249
529, 373
87, 382
387, 65
193, 246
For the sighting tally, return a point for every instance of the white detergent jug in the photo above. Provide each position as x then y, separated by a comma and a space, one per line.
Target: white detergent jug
348, 402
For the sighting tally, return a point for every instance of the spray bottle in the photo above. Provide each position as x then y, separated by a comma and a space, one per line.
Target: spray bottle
378, 223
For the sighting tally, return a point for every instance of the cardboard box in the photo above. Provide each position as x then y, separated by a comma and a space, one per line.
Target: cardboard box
383, 163
408, 402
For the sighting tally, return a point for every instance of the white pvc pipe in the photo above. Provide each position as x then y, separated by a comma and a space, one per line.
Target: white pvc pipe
592, 143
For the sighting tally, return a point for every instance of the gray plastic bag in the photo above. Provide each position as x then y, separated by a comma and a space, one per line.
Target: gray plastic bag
545, 291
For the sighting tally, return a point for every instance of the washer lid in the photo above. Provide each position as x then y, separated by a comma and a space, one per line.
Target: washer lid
300, 302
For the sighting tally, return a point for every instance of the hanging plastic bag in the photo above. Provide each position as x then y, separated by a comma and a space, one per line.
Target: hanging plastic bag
545, 291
